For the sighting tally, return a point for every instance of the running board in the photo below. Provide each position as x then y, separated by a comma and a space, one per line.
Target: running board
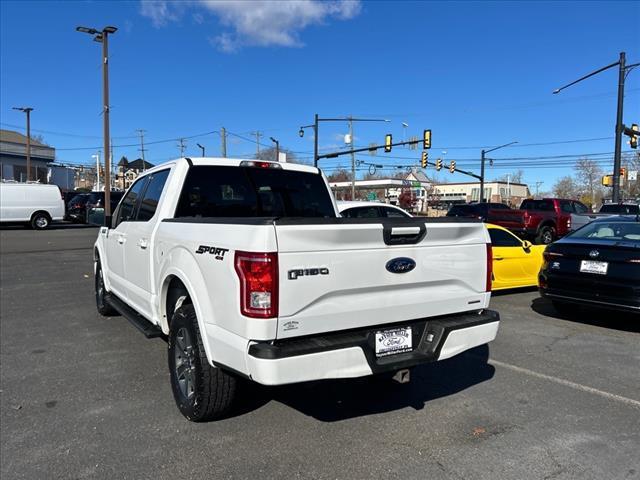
148, 329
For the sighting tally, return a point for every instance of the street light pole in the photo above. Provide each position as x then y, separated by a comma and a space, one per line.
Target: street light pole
201, 148
482, 160
623, 69
102, 36
277, 148
28, 111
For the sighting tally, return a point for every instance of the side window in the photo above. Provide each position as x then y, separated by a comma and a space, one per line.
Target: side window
500, 238
362, 212
566, 207
393, 213
580, 208
126, 209
152, 194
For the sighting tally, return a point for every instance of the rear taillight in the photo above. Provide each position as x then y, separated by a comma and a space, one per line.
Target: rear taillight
258, 273
489, 267
551, 255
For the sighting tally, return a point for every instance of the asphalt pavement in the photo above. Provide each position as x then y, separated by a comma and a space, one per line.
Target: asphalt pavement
84, 397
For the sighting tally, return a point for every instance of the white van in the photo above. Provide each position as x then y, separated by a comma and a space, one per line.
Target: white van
35, 204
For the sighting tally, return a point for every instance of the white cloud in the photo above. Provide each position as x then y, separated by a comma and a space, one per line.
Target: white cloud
256, 23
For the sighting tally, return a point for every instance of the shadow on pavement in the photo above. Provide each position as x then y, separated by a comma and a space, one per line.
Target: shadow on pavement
335, 400
511, 291
613, 319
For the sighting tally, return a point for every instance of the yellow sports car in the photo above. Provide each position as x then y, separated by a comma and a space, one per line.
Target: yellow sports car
516, 262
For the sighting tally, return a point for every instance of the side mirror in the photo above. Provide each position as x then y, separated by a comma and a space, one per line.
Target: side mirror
526, 245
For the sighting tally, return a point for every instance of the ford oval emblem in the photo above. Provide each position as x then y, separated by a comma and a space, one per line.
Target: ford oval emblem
594, 253
400, 265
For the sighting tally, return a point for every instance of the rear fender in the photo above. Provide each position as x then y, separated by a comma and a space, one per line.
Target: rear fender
181, 264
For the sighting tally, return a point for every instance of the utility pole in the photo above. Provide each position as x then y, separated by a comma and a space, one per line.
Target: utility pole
28, 111
103, 37
623, 70
97, 157
141, 132
257, 134
223, 140
182, 146
353, 161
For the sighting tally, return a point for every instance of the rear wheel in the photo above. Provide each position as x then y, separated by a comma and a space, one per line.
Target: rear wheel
546, 235
40, 221
201, 392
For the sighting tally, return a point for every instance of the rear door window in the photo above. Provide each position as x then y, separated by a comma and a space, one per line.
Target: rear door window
149, 202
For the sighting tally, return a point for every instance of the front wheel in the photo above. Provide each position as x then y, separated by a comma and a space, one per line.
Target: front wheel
201, 392
546, 235
102, 306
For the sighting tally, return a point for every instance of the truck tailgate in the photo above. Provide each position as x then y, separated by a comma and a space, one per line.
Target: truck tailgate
338, 274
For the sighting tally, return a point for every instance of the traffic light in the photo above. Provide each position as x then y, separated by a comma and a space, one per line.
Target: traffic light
633, 140
426, 139
452, 166
388, 140
623, 171
425, 157
438, 164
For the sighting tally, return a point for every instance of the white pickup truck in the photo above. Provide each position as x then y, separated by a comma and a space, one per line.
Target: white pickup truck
249, 271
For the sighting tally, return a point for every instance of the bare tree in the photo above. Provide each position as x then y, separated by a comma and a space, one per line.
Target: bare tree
269, 154
589, 178
565, 187
513, 177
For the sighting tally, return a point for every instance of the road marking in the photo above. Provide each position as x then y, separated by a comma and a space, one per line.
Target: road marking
567, 383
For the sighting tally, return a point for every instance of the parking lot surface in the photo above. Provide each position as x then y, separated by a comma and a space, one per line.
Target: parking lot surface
82, 396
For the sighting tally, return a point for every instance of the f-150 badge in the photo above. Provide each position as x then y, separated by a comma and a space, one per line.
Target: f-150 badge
217, 251
306, 272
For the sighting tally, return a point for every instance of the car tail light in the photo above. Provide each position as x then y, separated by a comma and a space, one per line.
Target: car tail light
489, 267
551, 255
258, 273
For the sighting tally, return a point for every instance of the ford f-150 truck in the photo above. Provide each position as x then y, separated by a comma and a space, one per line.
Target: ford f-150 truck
249, 271
542, 221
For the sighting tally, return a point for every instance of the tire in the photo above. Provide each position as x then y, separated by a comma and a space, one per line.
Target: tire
564, 308
40, 221
201, 392
101, 305
546, 235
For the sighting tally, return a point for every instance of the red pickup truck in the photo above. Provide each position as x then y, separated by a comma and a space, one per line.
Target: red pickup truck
543, 221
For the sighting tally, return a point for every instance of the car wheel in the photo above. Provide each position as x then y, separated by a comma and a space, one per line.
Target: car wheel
40, 221
103, 307
201, 392
546, 235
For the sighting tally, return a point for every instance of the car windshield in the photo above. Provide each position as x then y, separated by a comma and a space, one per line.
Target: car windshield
611, 231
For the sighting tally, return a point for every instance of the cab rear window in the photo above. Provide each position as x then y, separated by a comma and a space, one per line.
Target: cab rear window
224, 191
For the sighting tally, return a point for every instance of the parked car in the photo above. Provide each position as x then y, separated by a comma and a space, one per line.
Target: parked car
250, 272
598, 265
34, 204
516, 262
606, 210
78, 207
476, 210
357, 209
542, 221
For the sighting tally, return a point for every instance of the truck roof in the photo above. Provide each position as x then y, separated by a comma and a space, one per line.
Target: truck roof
233, 162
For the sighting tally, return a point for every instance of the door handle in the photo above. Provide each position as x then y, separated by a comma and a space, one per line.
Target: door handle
498, 258
121, 239
143, 243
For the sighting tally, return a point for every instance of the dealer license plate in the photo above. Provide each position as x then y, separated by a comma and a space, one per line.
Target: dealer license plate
590, 266
391, 342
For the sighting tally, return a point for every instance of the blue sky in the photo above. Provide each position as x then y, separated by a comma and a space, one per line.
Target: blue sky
476, 73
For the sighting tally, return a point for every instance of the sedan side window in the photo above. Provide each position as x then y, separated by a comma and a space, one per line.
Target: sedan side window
393, 213
127, 208
362, 212
580, 208
500, 238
